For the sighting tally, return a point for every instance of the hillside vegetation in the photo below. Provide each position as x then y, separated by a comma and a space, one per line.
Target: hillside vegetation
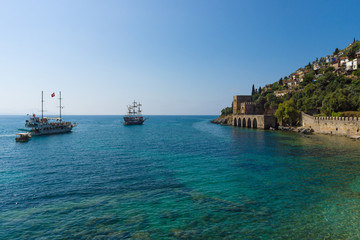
324, 88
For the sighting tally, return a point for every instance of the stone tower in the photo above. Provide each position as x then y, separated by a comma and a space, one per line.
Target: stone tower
238, 100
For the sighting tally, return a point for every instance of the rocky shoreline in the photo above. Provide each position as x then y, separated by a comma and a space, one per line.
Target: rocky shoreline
223, 120
227, 121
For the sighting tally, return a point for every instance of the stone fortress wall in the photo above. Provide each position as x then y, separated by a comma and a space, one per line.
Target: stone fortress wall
332, 125
246, 114
254, 121
237, 100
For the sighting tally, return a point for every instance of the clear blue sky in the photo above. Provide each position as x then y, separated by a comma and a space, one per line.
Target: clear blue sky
176, 57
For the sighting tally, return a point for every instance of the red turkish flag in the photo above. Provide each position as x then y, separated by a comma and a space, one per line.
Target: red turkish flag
53, 95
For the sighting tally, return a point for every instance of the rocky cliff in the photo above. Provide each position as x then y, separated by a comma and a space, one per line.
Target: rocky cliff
224, 120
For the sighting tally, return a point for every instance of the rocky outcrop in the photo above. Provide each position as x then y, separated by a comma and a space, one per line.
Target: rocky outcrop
355, 137
224, 120
296, 129
305, 130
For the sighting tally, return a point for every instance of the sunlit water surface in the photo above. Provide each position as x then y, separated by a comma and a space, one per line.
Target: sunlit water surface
176, 177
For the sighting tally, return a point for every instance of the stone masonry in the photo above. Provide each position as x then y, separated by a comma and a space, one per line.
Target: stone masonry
246, 114
238, 100
332, 125
254, 121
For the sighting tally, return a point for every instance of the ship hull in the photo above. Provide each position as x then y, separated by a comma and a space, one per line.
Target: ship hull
136, 120
134, 123
42, 132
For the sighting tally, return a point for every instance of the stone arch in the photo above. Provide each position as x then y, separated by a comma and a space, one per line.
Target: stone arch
244, 122
249, 123
254, 123
235, 122
239, 122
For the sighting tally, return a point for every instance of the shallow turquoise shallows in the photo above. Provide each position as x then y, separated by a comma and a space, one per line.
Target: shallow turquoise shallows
176, 177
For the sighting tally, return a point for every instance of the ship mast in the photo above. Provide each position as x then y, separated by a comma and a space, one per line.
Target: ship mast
42, 104
60, 105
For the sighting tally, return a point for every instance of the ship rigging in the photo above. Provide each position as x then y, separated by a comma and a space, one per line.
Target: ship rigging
46, 126
134, 116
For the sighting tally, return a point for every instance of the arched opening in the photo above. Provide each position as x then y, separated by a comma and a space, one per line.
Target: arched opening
244, 122
235, 122
239, 122
249, 123
255, 123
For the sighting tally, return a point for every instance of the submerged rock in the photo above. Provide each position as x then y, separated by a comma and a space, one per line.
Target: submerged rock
134, 220
282, 128
169, 215
305, 130
140, 235
185, 234
355, 137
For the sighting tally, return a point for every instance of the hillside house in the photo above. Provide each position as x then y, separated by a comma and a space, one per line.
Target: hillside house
299, 75
267, 87
343, 60
330, 59
316, 66
336, 65
291, 83
281, 93
355, 64
352, 65
358, 53
349, 66
291, 77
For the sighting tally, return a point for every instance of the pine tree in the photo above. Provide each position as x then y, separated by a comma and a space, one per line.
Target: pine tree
253, 90
281, 81
354, 40
259, 89
336, 51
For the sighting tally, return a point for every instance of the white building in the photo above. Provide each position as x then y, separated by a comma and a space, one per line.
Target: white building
355, 64
349, 66
344, 61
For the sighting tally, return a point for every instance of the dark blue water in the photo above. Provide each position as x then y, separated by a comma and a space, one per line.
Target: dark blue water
176, 177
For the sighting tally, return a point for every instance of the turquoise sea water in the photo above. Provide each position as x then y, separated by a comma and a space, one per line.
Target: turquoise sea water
176, 177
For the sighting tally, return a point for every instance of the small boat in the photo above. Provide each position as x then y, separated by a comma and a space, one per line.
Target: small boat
134, 116
23, 137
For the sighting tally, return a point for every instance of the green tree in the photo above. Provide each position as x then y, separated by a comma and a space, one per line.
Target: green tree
287, 113
308, 66
259, 90
329, 69
226, 111
357, 72
275, 86
253, 90
308, 78
352, 53
336, 102
281, 81
336, 52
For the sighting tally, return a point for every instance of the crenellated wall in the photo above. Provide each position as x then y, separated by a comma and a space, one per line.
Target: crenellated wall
332, 125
